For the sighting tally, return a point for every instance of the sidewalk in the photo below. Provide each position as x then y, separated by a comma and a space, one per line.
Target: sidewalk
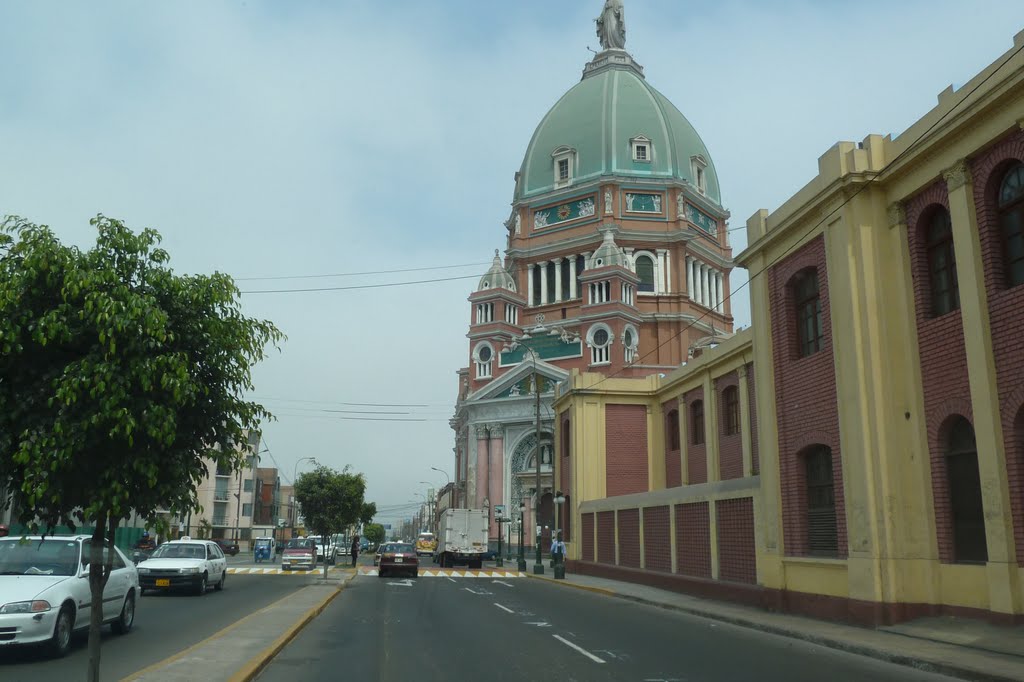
240, 651
961, 648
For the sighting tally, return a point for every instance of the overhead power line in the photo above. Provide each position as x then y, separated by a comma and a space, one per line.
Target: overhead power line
360, 274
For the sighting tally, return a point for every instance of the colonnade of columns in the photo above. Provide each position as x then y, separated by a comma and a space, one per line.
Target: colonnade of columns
562, 290
705, 284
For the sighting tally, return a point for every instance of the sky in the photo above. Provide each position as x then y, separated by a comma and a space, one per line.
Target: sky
309, 138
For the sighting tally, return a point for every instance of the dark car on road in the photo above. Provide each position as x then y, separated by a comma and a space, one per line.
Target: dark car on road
229, 547
399, 558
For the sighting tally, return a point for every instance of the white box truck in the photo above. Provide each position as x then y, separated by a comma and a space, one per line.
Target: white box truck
462, 537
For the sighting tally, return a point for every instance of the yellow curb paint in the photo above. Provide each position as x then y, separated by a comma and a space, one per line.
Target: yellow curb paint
184, 652
256, 664
588, 588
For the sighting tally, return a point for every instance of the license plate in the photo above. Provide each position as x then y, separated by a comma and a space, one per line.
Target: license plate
399, 559
163, 582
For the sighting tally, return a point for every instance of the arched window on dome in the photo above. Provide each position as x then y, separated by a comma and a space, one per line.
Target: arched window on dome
698, 166
641, 148
645, 271
564, 166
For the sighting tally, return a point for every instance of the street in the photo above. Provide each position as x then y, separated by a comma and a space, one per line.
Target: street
164, 625
439, 628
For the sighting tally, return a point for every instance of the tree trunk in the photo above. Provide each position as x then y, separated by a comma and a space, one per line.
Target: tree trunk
327, 549
98, 574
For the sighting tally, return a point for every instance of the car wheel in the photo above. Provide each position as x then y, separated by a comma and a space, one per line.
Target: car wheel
60, 644
220, 583
201, 587
124, 622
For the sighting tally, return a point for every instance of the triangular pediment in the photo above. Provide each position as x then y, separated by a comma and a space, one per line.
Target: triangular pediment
519, 377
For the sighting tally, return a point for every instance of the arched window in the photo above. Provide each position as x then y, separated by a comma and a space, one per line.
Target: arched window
807, 300
697, 422
672, 430
942, 280
731, 409
645, 271
822, 531
965, 501
1011, 224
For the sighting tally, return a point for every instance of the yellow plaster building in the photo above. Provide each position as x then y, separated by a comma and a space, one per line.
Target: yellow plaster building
859, 452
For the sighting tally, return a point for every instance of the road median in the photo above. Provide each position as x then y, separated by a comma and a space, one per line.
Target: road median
240, 651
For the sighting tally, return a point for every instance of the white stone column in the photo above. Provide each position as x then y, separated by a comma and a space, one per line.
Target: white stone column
720, 293
689, 277
529, 284
668, 271
711, 287
660, 279
572, 277
705, 292
557, 262
543, 281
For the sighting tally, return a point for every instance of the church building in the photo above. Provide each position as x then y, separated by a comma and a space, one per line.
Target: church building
616, 262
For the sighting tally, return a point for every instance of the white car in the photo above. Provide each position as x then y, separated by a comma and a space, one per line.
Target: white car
184, 564
322, 554
44, 591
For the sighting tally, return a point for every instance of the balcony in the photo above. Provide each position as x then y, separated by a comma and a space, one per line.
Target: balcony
221, 496
220, 521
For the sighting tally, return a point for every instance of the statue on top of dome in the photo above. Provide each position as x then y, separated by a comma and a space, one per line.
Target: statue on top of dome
611, 25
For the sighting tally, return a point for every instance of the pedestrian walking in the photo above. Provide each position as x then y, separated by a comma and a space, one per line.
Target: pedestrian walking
558, 549
355, 550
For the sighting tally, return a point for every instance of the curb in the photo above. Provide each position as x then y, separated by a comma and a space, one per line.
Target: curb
886, 655
587, 588
256, 664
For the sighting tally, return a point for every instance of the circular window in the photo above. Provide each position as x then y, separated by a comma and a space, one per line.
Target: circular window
484, 354
600, 337
627, 338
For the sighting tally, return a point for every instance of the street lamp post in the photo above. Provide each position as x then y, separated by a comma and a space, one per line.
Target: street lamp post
538, 567
448, 482
295, 476
521, 563
557, 560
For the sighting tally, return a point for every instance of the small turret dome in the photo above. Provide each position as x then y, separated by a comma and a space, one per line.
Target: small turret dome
609, 253
497, 277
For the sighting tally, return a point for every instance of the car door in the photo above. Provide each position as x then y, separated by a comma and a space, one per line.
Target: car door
113, 591
117, 586
218, 561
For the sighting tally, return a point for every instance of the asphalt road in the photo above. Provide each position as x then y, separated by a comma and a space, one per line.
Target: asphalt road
520, 629
164, 625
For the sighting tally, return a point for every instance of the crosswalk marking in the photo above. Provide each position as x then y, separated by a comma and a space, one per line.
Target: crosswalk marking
278, 571
453, 573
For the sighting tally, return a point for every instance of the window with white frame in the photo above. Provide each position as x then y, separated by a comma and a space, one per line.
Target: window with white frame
600, 342
630, 343
484, 313
699, 165
564, 165
641, 148
483, 358
645, 268
511, 313
600, 292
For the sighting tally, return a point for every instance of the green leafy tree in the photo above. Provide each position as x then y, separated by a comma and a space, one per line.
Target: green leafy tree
374, 532
330, 501
367, 513
118, 378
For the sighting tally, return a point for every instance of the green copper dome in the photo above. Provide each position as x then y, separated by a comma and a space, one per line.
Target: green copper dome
599, 118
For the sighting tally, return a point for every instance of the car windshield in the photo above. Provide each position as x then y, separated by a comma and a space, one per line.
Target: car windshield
39, 557
400, 549
426, 537
173, 550
298, 543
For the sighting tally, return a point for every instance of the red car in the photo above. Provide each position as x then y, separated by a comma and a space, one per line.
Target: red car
399, 558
